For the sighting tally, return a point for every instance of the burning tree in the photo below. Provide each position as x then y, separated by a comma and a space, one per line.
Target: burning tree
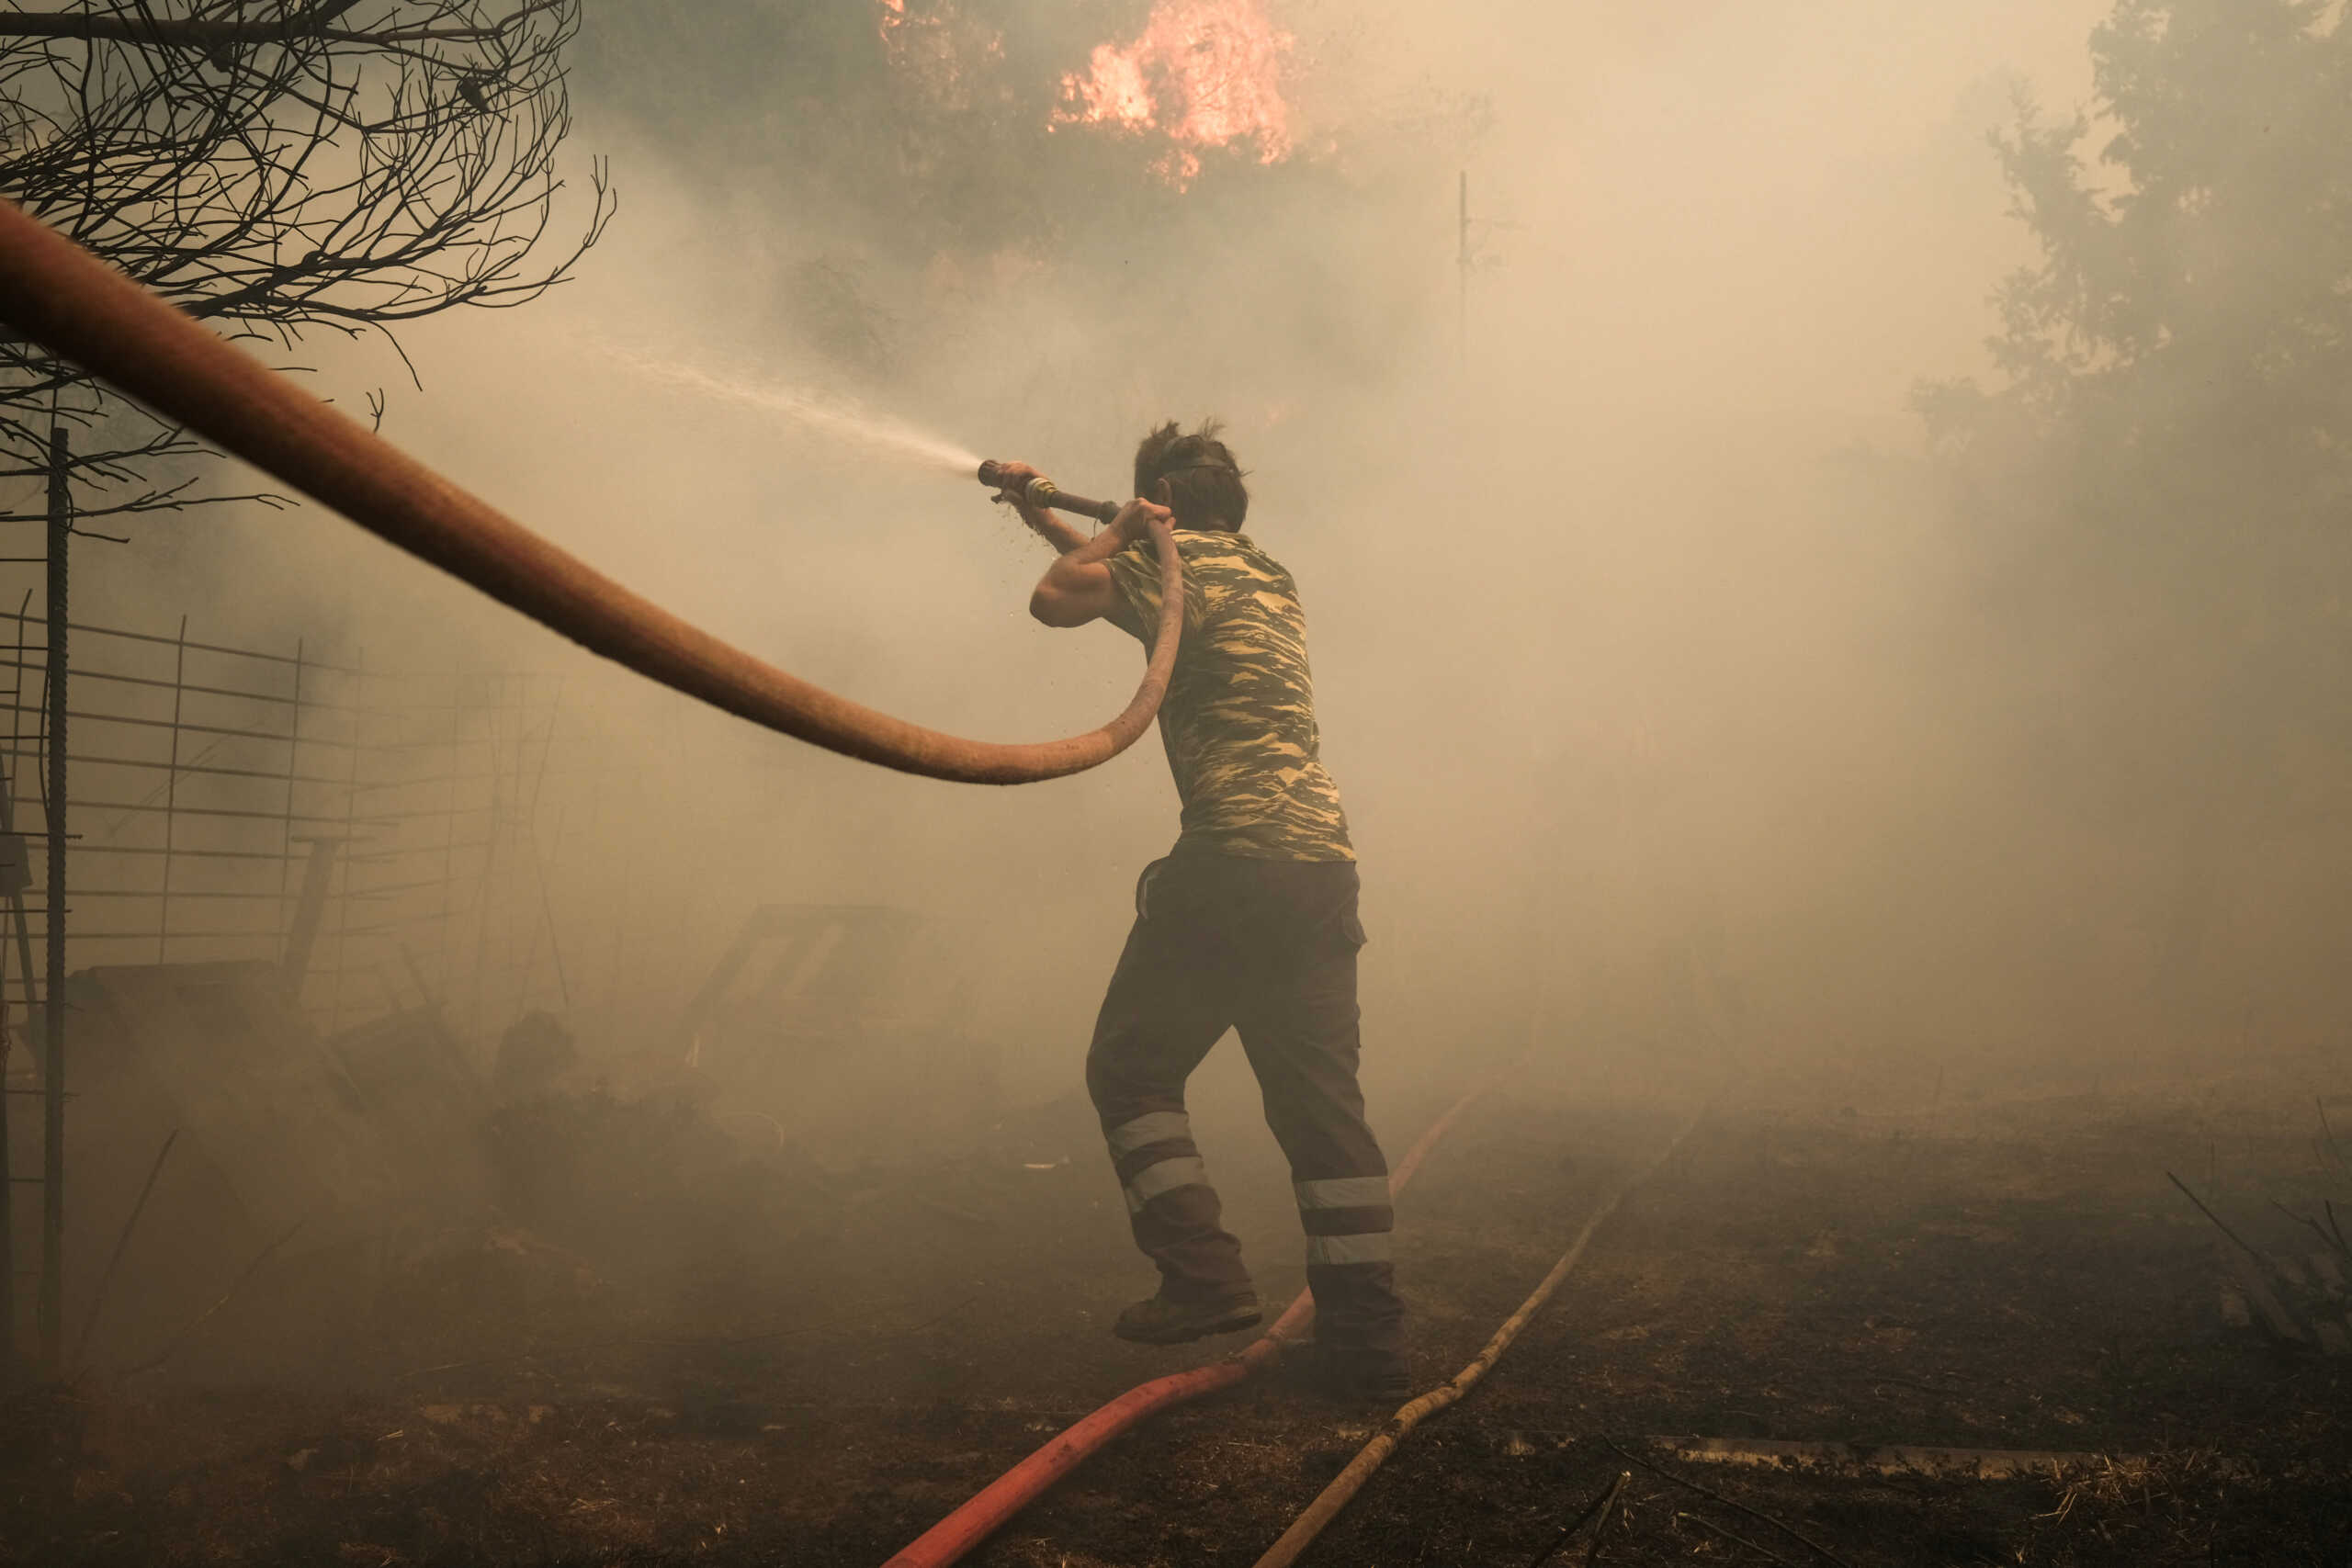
277, 166
1203, 74
889, 172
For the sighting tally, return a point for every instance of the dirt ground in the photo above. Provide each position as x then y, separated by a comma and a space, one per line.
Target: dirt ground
731, 1360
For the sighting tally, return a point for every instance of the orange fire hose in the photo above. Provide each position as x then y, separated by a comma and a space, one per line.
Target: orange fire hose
1373, 1454
960, 1531
60, 296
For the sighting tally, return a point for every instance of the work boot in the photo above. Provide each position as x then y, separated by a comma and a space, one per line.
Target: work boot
1359, 1374
1164, 1321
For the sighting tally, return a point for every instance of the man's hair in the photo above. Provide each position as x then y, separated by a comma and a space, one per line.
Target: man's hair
1204, 488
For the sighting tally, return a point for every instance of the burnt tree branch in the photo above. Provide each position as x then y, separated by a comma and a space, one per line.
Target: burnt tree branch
281, 166
196, 32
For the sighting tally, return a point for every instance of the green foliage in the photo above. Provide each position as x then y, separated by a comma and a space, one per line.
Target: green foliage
2193, 309
2157, 497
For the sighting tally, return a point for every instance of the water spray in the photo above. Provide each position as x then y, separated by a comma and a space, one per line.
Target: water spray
56, 294
1043, 493
838, 422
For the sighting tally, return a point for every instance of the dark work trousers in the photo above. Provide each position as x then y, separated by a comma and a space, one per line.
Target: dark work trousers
1268, 948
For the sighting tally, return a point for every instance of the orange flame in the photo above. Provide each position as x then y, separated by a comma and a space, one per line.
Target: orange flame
1204, 74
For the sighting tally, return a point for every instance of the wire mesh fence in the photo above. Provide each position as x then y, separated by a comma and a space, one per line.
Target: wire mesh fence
374, 831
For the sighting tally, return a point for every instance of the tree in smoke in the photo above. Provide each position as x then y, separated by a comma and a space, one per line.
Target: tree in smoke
2160, 484
278, 166
885, 171
2210, 296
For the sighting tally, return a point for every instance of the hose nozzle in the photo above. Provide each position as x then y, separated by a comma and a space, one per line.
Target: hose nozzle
1042, 492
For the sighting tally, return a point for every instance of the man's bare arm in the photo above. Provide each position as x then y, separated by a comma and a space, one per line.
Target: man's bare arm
1078, 588
1043, 524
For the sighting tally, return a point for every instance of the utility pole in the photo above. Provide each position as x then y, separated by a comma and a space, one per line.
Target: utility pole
1462, 264
53, 1075
1471, 235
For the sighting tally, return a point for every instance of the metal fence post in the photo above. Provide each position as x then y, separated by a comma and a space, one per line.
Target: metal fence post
172, 793
12, 871
293, 755
17, 881
53, 1227
350, 836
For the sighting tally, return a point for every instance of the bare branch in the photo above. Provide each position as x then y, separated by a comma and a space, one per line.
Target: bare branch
281, 166
187, 32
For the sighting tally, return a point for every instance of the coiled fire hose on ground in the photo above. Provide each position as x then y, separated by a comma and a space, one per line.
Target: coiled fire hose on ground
60, 296
973, 1523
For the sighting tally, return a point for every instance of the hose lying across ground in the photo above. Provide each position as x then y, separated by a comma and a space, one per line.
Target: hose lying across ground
1373, 1454
968, 1525
60, 296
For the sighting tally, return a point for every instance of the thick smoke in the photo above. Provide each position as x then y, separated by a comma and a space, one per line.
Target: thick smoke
1650, 652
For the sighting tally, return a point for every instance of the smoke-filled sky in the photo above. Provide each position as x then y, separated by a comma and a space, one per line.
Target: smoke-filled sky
1646, 663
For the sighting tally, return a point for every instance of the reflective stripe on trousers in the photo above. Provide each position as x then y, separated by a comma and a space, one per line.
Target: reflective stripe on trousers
1170, 1158
1267, 949
1348, 1219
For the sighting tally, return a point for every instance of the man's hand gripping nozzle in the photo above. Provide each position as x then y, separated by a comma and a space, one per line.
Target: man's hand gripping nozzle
1012, 482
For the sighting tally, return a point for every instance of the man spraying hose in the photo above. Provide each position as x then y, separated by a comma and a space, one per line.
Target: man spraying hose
1249, 923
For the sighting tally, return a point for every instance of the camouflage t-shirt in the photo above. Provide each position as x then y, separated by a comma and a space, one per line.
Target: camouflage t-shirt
1238, 722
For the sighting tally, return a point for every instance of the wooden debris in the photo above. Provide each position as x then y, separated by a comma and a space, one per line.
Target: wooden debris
2247, 1264
1889, 1458
1600, 1509
1757, 1514
2274, 1316
1739, 1541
